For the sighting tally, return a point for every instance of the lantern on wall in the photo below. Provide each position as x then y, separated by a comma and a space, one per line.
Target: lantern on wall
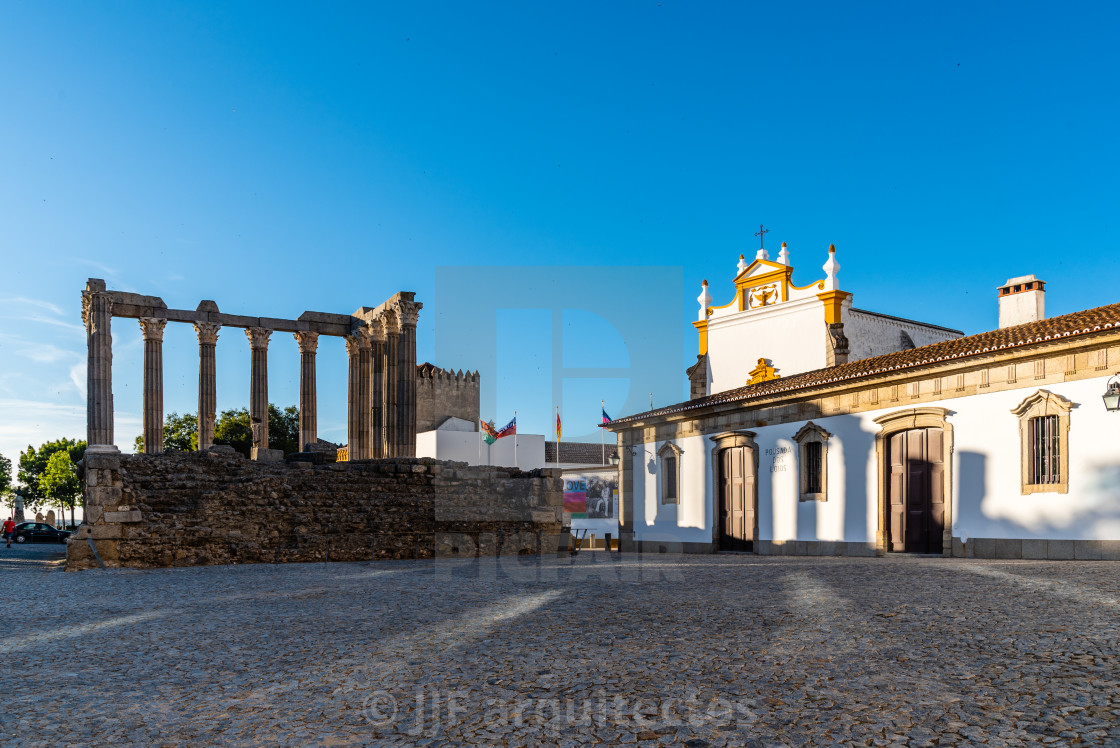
1111, 395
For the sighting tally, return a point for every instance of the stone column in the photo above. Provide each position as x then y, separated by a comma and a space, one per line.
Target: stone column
308, 407
97, 311
392, 339
258, 392
377, 389
207, 382
357, 403
408, 312
152, 328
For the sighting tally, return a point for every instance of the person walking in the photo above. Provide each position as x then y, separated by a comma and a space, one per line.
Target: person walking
9, 528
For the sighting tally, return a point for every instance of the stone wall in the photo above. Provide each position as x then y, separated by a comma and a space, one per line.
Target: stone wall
216, 507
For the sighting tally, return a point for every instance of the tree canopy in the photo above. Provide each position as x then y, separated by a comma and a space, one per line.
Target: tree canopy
6, 481
180, 432
59, 482
33, 464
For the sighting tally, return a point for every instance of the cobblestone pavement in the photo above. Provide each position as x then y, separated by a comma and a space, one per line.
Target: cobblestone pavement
656, 650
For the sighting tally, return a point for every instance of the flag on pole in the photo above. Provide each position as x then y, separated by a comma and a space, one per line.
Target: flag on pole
489, 433
606, 418
557, 424
508, 430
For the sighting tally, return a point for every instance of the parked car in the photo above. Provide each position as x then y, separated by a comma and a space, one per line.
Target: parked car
38, 532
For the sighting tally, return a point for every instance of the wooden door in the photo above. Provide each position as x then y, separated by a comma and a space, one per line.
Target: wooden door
736, 499
916, 491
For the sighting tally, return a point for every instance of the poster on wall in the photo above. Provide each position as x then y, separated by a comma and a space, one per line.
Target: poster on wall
590, 497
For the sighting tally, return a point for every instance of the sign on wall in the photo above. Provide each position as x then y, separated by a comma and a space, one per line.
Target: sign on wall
590, 497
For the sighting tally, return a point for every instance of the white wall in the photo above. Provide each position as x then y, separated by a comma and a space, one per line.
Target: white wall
791, 334
463, 446
871, 335
987, 500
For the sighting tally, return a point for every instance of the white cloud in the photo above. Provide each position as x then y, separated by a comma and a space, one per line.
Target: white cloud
33, 302
78, 377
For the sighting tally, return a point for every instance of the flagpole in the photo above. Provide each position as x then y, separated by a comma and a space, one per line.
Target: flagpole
602, 435
515, 438
479, 427
557, 436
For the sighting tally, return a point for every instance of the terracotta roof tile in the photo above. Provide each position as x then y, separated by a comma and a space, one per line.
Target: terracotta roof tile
581, 453
1069, 325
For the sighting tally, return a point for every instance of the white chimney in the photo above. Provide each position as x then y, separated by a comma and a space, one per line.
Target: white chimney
1022, 300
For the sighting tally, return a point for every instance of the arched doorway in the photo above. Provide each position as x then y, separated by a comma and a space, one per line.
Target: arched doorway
914, 452
735, 500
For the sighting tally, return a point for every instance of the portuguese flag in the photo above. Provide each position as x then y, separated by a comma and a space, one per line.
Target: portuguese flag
488, 432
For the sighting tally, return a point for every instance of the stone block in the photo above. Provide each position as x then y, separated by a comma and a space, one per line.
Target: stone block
132, 515
958, 548
812, 548
1110, 550
1059, 550
764, 548
260, 454
1009, 548
1087, 550
801, 548
828, 548
1034, 548
983, 547
863, 550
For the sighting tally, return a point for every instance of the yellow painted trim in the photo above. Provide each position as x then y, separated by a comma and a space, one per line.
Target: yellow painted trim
722, 306
702, 328
773, 276
819, 284
760, 263
833, 302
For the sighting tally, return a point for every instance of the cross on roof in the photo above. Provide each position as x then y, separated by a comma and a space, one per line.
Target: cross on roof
761, 234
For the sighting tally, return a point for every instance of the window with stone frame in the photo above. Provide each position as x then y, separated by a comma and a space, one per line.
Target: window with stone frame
1044, 443
669, 473
812, 462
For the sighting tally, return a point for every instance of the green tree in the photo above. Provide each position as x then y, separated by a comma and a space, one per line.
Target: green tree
180, 434
234, 428
6, 494
33, 463
59, 482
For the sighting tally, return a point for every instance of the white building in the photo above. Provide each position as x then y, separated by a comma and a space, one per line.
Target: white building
818, 429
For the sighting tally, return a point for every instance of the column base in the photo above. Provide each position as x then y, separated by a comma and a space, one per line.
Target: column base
102, 449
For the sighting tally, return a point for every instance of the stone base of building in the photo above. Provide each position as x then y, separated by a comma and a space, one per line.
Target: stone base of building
215, 507
815, 548
1034, 549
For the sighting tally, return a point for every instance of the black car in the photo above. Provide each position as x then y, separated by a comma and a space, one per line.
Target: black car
38, 532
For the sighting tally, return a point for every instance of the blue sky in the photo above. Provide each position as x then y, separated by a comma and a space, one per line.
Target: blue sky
281, 157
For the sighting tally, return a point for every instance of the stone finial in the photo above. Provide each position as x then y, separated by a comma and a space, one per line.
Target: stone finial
258, 337
831, 268
207, 332
783, 256
705, 299
152, 328
743, 264
762, 254
308, 341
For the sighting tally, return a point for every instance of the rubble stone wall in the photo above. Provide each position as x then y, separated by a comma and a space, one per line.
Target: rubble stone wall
216, 507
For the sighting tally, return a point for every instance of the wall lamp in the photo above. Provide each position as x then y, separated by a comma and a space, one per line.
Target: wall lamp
1111, 395
613, 458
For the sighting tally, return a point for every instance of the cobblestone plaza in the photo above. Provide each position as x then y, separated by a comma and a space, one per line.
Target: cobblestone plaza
654, 650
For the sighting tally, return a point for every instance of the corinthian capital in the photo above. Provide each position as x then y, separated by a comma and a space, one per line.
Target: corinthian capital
391, 321
375, 328
258, 337
408, 312
207, 332
308, 341
152, 327
357, 341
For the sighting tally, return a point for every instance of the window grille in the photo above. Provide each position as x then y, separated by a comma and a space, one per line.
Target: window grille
1045, 450
812, 467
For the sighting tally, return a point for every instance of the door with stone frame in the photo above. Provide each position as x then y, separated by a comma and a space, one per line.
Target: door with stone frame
736, 499
916, 491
